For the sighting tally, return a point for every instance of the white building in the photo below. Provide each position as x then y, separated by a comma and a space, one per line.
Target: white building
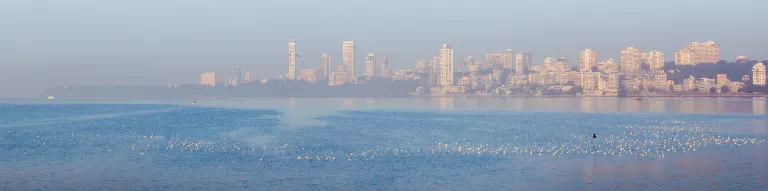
348, 57
291, 60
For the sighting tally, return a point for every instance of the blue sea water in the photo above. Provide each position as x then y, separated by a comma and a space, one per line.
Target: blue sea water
380, 145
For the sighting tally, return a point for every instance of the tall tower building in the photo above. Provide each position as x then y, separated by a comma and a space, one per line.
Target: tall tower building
446, 65
239, 75
630, 59
758, 74
697, 53
384, 67
587, 60
507, 59
325, 66
655, 60
434, 66
291, 60
522, 61
370, 66
348, 57
208, 78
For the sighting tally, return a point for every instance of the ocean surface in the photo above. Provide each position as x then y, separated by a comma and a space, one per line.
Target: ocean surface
386, 144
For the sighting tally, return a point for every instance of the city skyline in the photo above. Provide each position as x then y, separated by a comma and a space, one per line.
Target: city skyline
171, 43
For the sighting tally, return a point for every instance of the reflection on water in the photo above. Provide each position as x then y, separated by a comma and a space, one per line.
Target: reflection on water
584, 104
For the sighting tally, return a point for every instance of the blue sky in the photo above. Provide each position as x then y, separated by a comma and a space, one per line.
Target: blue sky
46, 43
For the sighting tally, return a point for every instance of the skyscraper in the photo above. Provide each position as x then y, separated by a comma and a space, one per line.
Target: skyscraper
697, 53
325, 66
370, 66
446, 65
434, 73
522, 61
508, 59
384, 67
291, 60
758, 74
587, 60
239, 75
655, 60
348, 57
630, 60
208, 78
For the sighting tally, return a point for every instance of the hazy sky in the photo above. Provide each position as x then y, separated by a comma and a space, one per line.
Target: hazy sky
157, 42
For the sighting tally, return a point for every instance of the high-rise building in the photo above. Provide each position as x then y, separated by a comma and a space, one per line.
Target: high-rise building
522, 61
697, 53
758, 74
655, 60
325, 66
370, 66
348, 57
434, 66
291, 60
384, 67
630, 60
247, 77
587, 60
208, 78
507, 59
446, 66
238, 75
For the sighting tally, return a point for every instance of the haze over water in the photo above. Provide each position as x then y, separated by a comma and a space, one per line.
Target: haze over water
387, 144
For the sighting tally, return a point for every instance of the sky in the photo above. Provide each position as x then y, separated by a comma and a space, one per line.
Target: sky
47, 43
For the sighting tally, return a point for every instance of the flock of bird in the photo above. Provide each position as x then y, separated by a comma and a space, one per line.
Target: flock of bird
640, 141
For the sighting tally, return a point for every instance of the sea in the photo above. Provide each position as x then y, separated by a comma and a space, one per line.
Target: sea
386, 144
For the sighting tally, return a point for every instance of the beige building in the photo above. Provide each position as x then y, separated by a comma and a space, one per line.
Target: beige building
758, 74
446, 65
522, 62
696, 53
655, 60
291, 60
587, 60
208, 78
348, 57
507, 59
630, 60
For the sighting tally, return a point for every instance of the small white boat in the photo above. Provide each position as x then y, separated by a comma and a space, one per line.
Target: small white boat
50, 97
192, 102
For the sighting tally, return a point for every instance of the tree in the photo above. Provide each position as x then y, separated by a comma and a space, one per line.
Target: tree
712, 90
725, 90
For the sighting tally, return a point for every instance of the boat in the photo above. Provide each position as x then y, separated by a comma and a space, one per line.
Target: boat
638, 98
50, 97
192, 102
